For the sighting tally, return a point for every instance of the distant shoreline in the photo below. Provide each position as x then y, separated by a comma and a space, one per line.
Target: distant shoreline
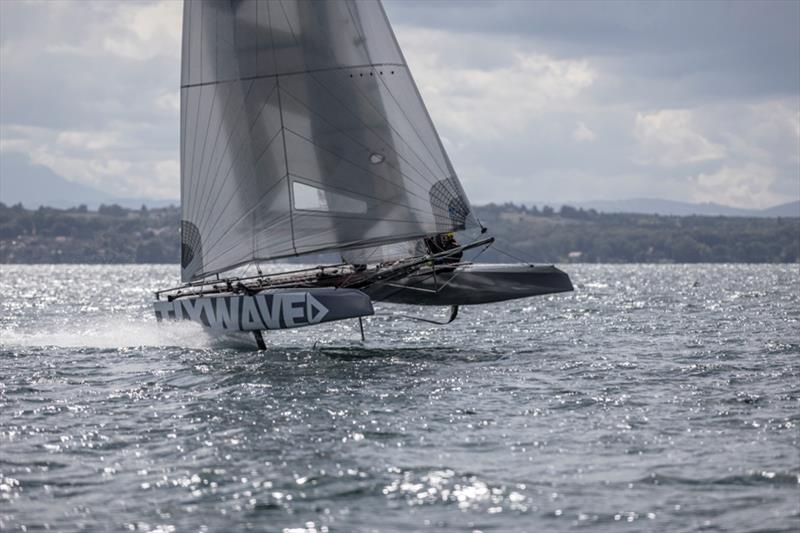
116, 235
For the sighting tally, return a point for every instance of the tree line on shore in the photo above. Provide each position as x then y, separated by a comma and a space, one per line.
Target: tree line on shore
113, 234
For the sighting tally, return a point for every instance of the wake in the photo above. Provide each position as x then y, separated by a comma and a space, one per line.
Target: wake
112, 333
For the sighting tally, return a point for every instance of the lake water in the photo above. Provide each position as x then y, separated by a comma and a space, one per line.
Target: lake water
653, 398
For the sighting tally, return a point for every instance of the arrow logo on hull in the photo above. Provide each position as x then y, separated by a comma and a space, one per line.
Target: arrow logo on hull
314, 306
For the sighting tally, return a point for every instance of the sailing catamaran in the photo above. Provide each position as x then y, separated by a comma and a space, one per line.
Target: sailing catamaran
303, 132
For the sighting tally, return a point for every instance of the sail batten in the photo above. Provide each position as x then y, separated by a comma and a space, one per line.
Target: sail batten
302, 131
310, 71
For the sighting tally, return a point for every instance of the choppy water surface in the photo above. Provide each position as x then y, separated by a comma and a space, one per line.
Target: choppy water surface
653, 398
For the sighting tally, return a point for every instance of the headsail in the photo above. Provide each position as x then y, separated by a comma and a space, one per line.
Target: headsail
302, 131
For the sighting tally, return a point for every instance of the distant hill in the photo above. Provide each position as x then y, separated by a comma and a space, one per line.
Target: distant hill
36, 185
654, 206
791, 209
22, 181
117, 235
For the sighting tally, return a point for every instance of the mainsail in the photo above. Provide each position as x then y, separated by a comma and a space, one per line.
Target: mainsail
303, 131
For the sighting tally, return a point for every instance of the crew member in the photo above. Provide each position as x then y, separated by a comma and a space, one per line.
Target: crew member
442, 243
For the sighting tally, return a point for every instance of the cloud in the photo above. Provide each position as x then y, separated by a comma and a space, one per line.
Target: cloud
146, 31
582, 133
669, 137
90, 90
534, 100
491, 98
747, 186
102, 159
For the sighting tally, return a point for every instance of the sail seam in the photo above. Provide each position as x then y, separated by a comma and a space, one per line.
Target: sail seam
292, 73
332, 248
270, 223
234, 161
197, 199
205, 139
451, 171
232, 195
373, 174
283, 131
377, 136
213, 187
392, 127
381, 201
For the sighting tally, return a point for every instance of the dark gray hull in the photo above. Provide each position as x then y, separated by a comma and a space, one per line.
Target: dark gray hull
269, 309
472, 284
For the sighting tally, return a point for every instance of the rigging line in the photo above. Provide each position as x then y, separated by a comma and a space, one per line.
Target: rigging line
285, 249
194, 133
221, 253
385, 119
364, 243
184, 113
457, 273
399, 135
201, 48
283, 125
253, 206
268, 98
240, 149
425, 200
280, 219
210, 191
206, 215
279, 245
184, 207
414, 128
208, 127
518, 250
416, 89
366, 148
286, 161
343, 283
196, 198
311, 74
332, 246
292, 73
381, 201
244, 215
512, 256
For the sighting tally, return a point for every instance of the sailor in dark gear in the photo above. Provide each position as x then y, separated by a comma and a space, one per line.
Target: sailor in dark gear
442, 243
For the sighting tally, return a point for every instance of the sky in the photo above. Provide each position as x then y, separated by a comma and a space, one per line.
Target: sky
535, 101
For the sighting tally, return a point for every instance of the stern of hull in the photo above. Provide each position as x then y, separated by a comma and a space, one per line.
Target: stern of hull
473, 284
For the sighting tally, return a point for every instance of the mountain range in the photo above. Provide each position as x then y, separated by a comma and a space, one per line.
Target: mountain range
655, 206
36, 185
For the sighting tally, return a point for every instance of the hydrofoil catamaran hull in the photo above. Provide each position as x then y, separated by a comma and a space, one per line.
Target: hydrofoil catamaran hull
471, 284
267, 310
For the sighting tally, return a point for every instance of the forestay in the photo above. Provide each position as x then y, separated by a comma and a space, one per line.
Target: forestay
302, 130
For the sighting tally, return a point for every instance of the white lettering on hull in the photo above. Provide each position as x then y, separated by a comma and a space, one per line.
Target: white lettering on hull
247, 313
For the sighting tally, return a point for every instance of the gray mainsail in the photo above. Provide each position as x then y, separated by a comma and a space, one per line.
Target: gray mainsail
303, 131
